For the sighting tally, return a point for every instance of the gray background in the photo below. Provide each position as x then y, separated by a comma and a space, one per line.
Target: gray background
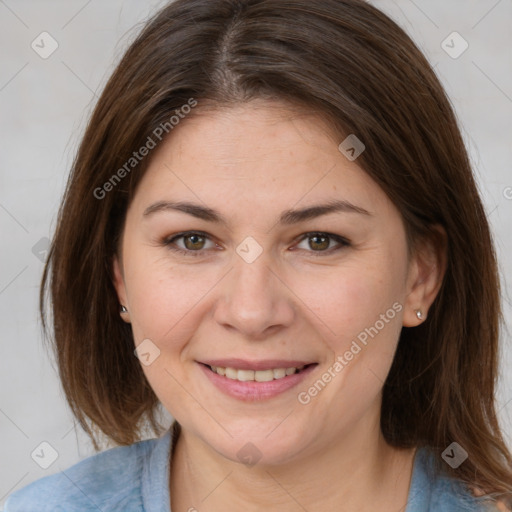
44, 104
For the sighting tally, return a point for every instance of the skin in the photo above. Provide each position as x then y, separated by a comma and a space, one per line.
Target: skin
251, 162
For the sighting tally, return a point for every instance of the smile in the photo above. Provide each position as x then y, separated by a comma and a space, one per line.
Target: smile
255, 381
255, 375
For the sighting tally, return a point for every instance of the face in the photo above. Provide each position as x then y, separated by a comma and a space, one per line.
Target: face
228, 298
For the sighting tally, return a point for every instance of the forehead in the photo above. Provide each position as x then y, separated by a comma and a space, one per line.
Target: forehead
247, 132
253, 154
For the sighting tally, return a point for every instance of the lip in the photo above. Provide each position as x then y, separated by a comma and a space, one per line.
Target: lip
262, 364
252, 391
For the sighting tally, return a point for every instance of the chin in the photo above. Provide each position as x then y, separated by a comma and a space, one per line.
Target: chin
253, 442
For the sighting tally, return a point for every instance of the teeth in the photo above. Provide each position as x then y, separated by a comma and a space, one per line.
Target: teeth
279, 373
255, 375
245, 375
263, 375
231, 373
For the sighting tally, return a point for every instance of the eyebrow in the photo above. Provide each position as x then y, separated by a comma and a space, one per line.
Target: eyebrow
288, 217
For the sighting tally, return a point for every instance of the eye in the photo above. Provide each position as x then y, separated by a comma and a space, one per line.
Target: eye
193, 243
321, 242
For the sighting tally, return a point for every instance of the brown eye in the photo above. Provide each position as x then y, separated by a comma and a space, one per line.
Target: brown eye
194, 241
191, 243
319, 242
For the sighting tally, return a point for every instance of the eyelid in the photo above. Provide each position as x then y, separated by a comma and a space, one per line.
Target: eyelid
340, 240
169, 241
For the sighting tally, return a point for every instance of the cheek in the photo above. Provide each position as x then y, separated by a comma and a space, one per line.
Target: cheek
359, 317
342, 302
166, 299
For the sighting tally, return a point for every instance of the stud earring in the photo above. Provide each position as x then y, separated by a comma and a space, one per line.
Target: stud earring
419, 314
123, 309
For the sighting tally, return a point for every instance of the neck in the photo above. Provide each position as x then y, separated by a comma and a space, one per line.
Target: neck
354, 473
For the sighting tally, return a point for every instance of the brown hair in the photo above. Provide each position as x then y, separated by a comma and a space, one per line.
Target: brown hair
350, 63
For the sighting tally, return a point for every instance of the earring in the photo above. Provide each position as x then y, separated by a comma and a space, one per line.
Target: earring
419, 314
123, 309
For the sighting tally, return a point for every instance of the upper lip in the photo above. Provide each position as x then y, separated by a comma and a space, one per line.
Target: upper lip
262, 364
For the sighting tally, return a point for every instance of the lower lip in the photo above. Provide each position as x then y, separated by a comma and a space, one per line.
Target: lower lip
251, 391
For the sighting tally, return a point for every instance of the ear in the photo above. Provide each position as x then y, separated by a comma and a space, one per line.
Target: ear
427, 268
120, 286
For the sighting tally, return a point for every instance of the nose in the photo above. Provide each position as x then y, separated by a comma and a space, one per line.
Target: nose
254, 300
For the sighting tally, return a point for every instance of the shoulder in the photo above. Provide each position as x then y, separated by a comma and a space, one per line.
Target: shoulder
432, 489
116, 479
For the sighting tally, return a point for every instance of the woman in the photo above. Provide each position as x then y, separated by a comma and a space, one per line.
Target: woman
272, 204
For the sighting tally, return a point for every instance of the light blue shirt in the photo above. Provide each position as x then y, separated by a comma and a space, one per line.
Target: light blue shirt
135, 479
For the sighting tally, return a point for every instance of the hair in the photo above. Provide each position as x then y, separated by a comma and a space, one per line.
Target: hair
349, 63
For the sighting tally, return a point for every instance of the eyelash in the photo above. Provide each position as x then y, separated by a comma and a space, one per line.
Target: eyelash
168, 242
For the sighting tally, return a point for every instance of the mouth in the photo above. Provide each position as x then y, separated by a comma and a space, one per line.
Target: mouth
251, 381
243, 375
